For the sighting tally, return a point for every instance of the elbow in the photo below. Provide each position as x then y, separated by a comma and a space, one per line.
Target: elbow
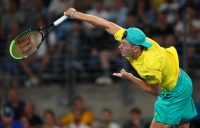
111, 28
156, 92
155, 89
108, 26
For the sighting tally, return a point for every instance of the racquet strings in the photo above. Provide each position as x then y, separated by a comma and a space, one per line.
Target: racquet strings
25, 44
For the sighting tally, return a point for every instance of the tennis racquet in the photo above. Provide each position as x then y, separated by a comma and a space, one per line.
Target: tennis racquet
27, 42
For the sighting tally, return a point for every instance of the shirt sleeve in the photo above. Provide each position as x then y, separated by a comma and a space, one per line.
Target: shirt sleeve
118, 36
67, 119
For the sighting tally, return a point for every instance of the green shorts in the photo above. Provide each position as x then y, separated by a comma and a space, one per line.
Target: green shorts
176, 106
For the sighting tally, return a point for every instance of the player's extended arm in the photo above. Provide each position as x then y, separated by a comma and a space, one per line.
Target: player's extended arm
153, 89
110, 27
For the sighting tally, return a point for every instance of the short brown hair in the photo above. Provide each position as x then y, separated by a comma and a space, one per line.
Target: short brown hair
135, 111
107, 110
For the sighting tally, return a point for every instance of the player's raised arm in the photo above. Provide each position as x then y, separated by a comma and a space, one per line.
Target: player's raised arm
110, 27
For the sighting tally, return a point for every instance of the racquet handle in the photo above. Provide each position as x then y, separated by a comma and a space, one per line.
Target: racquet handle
60, 20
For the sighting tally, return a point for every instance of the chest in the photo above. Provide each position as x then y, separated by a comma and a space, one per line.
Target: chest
147, 66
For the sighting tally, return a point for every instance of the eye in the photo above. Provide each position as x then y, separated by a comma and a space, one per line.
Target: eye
124, 44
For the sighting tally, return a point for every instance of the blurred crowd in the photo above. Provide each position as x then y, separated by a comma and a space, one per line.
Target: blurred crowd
88, 50
17, 113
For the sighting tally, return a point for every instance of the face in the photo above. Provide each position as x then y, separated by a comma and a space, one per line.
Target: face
136, 118
99, 5
190, 13
49, 118
162, 18
7, 119
126, 48
78, 104
13, 6
29, 108
25, 122
106, 117
131, 21
141, 6
14, 95
118, 4
38, 4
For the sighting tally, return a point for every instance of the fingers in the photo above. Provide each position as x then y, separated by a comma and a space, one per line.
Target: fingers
123, 72
65, 13
117, 75
69, 11
126, 74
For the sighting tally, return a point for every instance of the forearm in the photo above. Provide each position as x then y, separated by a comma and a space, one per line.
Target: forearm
97, 21
144, 85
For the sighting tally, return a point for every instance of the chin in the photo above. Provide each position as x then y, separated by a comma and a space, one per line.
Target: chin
124, 55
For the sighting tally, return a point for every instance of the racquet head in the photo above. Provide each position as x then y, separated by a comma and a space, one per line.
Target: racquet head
26, 43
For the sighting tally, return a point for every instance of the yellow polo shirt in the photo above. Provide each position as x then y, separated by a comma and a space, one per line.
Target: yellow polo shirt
87, 118
156, 65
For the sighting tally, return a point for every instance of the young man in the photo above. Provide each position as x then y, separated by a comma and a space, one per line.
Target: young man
7, 119
159, 68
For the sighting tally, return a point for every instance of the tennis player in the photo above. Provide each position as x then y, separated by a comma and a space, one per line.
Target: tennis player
159, 68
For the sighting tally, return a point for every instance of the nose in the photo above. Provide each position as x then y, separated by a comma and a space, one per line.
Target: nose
120, 46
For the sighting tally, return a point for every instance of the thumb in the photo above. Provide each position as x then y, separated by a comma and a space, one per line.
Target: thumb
65, 13
123, 71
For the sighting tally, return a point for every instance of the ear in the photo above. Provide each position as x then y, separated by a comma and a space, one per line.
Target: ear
136, 48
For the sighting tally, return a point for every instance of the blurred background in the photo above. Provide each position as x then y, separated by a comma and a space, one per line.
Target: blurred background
68, 82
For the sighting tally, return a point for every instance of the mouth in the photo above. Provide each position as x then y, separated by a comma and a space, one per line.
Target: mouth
122, 53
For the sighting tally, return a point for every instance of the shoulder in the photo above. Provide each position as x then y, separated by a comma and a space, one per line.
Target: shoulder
154, 54
88, 113
1, 125
37, 117
69, 115
154, 43
196, 23
114, 125
127, 124
17, 124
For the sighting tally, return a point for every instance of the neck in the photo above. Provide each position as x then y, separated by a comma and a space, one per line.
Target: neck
105, 124
136, 55
14, 103
49, 124
30, 115
7, 125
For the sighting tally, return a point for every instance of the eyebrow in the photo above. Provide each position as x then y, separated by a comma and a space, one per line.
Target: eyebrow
123, 42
